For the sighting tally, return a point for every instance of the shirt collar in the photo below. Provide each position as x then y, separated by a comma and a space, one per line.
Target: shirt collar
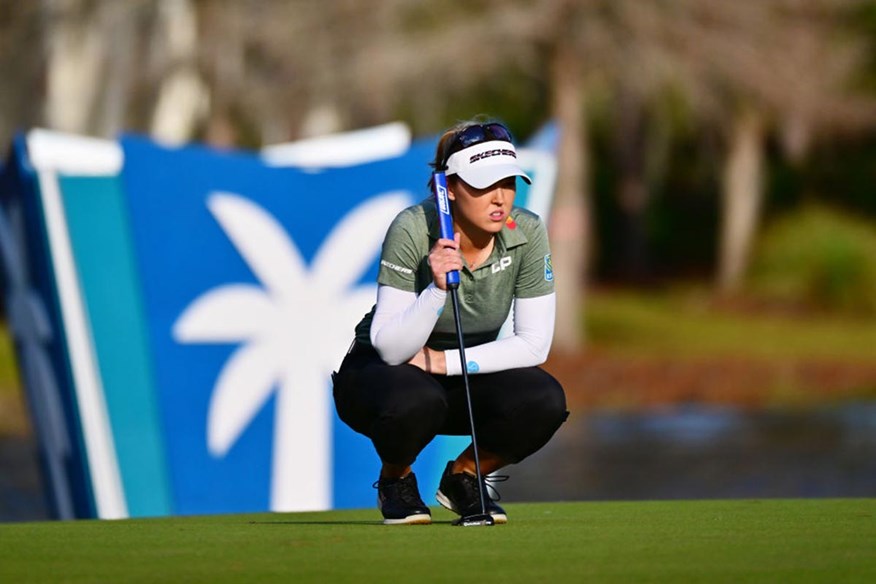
510, 236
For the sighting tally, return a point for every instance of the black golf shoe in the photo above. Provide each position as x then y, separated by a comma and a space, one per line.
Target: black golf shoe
399, 501
459, 493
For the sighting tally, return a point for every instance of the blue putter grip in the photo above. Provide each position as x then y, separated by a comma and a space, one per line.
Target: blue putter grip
445, 219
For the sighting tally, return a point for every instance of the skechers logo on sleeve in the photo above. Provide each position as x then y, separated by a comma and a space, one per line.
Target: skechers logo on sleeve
396, 268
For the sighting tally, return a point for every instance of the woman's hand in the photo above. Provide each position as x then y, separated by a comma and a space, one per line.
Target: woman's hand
430, 361
445, 257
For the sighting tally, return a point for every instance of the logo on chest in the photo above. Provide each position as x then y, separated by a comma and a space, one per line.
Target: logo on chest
501, 264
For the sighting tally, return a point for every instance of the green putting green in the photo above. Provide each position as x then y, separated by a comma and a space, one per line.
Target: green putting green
809, 540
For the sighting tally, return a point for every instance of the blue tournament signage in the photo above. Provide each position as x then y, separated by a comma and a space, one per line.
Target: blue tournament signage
252, 284
192, 306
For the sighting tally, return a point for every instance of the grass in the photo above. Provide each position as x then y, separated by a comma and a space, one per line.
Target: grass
685, 324
667, 541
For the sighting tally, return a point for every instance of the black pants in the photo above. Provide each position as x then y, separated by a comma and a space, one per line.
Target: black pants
401, 408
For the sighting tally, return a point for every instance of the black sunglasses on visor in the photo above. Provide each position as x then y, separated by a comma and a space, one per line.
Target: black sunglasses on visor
475, 135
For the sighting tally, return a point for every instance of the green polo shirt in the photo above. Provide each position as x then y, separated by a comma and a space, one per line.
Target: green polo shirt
519, 266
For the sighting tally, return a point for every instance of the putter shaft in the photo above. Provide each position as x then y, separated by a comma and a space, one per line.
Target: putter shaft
484, 518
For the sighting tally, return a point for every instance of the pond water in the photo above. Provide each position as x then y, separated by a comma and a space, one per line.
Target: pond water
697, 452
683, 453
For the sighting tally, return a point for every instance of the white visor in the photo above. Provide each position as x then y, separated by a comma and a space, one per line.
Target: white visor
485, 164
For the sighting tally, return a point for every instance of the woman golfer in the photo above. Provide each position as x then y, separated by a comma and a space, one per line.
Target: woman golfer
401, 385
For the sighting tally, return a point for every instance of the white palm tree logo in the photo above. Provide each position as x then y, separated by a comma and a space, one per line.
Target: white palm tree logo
293, 330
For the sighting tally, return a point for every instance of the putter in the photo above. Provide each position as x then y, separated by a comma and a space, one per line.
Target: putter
445, 224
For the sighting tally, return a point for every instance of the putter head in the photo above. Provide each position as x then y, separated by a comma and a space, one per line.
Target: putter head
473, 520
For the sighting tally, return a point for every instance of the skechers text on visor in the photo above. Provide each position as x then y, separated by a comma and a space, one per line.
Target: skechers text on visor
486, 164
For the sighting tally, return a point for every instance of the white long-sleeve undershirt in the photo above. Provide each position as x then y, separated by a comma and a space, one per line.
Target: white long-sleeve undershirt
403, 321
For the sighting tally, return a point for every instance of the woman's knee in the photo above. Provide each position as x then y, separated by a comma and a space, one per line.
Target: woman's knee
553, 400
535, 412
407, 421
541, 396
416, 405
380, 396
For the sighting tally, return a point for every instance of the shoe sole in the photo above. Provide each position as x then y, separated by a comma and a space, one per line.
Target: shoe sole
445, 502
418, 519
415, 519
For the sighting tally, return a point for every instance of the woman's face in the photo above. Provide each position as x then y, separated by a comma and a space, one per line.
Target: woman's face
482, 209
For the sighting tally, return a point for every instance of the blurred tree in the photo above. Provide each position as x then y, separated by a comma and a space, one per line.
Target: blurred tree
570, 222
380, 57
751, 68
182, 98
641, 70
283, 70
75, 49
753, 65
21, 70
250, 72
464, 43
90, 48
